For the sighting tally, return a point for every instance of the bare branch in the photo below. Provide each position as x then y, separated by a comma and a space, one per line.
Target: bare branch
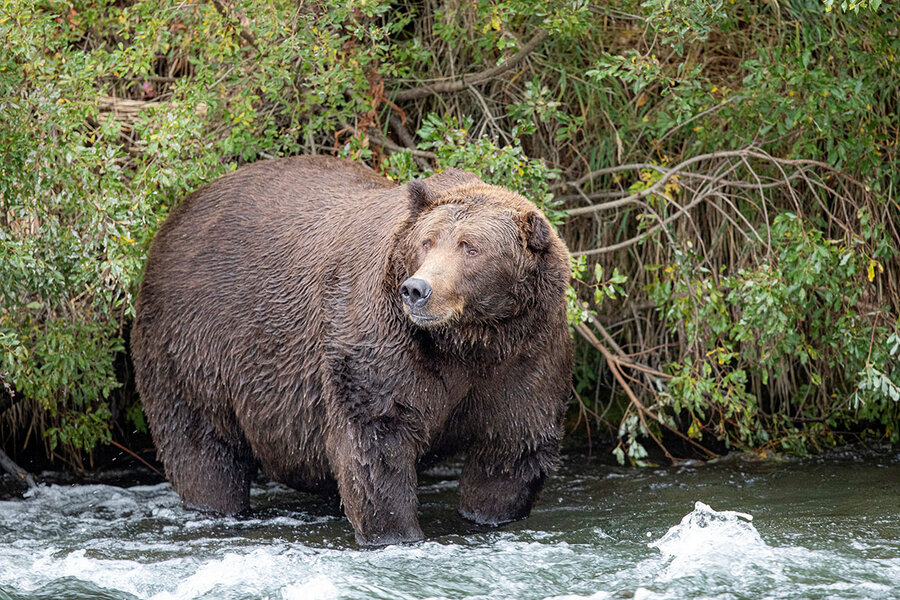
615, 364
682, 211
679, 170
583, 210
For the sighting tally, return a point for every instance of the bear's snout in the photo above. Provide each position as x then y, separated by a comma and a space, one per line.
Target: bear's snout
415, 292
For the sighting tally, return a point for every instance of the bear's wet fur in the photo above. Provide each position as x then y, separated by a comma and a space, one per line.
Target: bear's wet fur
272, 333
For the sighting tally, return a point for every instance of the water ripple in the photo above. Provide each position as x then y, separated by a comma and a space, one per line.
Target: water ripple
585, 541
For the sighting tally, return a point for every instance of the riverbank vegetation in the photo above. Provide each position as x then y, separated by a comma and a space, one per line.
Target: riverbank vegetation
725, 173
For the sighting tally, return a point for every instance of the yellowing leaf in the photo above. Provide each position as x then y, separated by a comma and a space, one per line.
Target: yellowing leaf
671, 189
694, 431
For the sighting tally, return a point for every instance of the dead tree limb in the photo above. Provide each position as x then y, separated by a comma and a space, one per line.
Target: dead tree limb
407, 139
7, 464
680, 170
656, 187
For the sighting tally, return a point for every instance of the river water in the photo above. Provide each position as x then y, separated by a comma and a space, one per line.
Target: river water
820, 529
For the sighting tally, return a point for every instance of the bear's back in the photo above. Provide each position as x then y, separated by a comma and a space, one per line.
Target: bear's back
267, 197
245, 235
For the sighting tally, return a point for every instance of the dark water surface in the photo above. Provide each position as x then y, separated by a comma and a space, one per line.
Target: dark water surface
819, 529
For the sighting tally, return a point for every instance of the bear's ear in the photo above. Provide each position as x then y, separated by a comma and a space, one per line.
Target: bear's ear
536, 231
420, 197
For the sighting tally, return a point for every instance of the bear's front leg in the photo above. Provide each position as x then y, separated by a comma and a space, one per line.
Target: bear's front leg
376, 476
497, 488
513, 424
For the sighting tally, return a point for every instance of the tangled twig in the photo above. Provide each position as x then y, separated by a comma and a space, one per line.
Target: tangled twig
616, 362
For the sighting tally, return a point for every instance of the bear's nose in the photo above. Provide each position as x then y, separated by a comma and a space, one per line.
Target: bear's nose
415, 292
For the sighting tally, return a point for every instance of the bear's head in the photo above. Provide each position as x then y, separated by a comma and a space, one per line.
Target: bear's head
478, 254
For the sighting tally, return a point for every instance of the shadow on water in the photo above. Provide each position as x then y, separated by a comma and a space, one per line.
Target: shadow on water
827, 528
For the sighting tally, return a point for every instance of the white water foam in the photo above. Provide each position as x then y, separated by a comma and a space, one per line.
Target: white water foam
140, 544
705, 531
317, 588
714, 541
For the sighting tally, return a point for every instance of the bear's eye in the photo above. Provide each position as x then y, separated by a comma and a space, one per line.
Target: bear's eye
470, 250
426, 245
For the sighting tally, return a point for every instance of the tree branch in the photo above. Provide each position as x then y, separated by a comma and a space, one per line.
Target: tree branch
615, 364
376, 137
7, 464
465, 81
682, 211
246, 35
679, 168
407, 139
744, 153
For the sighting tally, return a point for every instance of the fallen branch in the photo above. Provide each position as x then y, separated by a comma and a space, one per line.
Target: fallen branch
620, 354
615, 367
16, 471
457, 85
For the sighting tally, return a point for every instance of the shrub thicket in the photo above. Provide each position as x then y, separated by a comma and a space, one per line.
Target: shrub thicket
725, 173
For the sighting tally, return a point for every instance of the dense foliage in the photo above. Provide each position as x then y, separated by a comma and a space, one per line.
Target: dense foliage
726, 174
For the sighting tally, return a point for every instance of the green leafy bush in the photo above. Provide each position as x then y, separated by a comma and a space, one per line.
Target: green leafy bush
796, 325
726, 173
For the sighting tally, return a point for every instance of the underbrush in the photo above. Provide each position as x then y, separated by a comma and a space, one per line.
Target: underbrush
725, 174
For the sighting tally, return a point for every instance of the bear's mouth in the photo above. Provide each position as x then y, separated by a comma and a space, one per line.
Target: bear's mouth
427, 320
422, 319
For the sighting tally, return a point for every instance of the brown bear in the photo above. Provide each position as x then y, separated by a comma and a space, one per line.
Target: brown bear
310, 318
